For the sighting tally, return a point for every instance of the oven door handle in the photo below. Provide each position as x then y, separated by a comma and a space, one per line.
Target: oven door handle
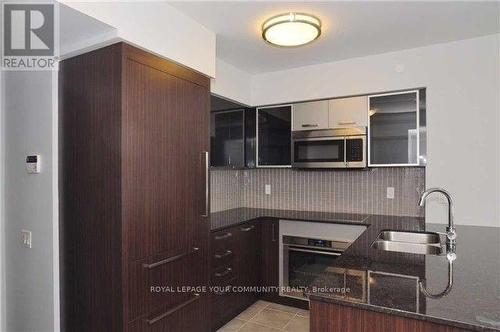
331, 253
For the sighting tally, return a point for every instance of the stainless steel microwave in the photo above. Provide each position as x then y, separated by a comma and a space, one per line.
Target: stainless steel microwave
329, 148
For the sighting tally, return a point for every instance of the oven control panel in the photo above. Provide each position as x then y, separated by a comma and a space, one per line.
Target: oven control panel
311, 243
319, 243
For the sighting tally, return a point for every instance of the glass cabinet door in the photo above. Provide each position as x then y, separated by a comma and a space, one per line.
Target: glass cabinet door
274, 136
393, 129
227, 139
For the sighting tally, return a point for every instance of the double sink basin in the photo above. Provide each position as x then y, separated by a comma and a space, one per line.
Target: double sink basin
425, 243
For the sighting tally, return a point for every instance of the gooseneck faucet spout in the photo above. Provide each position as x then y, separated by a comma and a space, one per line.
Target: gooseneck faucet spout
451, 234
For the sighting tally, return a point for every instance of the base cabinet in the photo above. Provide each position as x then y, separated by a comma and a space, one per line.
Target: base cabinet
270, 260
329, 317
235, 268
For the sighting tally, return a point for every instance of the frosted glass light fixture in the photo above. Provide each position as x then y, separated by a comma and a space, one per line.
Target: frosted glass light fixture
292, 29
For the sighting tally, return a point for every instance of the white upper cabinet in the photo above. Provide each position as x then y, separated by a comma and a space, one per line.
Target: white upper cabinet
348, 112
310, 115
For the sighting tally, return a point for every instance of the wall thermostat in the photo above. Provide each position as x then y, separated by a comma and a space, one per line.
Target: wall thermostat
33, 164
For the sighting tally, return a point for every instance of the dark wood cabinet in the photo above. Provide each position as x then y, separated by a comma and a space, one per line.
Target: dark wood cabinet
334, 317
134, 142
235, 267
248, 253
270, 258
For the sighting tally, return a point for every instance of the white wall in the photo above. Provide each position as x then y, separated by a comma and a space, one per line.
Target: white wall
463, 112
158, 28
31, 202
231, 82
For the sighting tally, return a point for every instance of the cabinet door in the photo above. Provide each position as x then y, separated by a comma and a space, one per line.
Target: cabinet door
227, 139
248, 259
311, 115
270, 257
393, 134
164, 140
348, 112
274, 136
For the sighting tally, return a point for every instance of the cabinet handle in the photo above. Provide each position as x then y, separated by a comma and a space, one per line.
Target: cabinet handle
247, 229
343, 123
174, 309
170, 259
309, 125
227, 253
273, 233
207, 192
221, 237
221, 274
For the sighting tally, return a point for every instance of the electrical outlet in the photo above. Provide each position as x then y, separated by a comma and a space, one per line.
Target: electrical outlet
268, 189
26, 238
390, 192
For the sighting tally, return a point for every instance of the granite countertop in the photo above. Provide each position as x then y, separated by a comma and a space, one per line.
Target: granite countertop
388, 281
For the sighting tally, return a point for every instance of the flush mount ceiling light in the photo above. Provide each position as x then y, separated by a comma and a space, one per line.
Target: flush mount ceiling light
292, 29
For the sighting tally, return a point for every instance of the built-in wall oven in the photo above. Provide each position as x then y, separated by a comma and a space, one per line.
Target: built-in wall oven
329, 148
309, 264
304, 260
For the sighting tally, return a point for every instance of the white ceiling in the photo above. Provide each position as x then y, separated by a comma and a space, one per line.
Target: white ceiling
350, 29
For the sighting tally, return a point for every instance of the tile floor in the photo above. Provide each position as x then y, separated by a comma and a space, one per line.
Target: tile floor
265, 316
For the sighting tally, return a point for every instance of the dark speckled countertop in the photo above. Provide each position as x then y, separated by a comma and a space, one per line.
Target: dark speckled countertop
388, 281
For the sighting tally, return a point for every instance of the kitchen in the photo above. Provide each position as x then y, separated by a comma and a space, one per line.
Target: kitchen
255, 166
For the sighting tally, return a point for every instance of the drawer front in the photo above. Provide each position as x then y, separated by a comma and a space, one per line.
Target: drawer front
191, 314
223, 258
224, 275
222, 241
163, 280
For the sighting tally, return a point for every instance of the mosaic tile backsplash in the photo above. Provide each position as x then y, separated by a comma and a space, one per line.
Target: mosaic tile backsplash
320, 190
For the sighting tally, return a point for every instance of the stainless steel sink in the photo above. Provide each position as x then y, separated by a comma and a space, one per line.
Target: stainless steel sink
407, 247
425, 243
410, 237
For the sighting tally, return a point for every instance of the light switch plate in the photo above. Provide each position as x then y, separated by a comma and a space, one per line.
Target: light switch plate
268, 189
26, 238
390, 192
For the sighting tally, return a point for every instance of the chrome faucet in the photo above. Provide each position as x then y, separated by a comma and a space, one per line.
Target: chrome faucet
451, 233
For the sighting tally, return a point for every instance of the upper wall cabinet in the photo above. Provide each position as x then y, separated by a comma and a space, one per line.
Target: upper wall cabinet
310, 115
274, 136
396, 131
348, 112
227, 139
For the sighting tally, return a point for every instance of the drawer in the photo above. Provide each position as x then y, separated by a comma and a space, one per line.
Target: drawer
222, 258
160, 280
222, 241
223, 276
191, 314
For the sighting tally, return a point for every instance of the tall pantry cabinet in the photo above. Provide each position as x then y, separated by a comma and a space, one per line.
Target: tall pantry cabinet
134, 143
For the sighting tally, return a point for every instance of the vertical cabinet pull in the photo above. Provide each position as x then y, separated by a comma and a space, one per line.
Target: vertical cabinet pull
207, 185
273, 233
